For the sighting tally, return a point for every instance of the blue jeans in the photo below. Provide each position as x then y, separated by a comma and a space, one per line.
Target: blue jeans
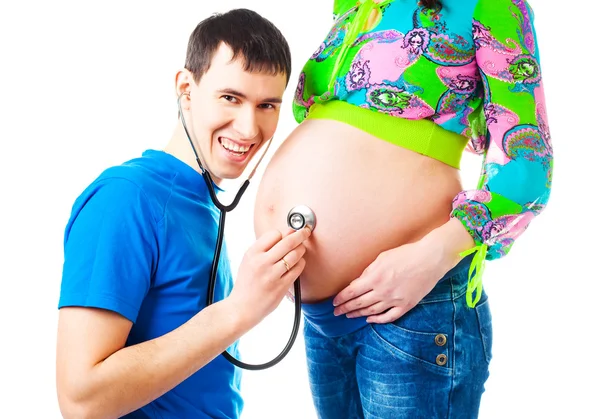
431, 363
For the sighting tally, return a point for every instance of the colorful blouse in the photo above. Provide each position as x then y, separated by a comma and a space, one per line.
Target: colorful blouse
472, 68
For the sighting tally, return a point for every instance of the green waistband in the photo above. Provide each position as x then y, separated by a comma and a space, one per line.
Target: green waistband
422, 136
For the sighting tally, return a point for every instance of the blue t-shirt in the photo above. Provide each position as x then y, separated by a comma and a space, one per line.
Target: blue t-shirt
140, 242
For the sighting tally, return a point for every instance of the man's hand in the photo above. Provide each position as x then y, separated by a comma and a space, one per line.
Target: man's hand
268, 269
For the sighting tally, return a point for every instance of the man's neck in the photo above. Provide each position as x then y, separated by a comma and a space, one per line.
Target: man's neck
179, 147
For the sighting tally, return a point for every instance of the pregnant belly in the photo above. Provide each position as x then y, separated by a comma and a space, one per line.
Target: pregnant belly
368, 196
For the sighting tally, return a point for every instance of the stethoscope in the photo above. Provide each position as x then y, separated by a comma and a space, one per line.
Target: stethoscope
299, 217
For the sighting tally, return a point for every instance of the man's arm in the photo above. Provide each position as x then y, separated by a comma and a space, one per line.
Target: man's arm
98, 378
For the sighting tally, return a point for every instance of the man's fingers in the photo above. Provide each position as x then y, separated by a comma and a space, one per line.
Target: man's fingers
287, 244
294, 273
267, 240
292, 258
291, 295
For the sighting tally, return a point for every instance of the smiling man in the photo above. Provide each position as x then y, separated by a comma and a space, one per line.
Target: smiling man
135, 337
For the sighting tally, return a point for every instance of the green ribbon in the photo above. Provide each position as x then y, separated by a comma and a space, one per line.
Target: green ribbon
362, 15
475, 283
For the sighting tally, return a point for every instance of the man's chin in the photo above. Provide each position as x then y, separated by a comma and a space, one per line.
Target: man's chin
227, 174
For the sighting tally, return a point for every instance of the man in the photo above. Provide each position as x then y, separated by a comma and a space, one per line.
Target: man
135, 337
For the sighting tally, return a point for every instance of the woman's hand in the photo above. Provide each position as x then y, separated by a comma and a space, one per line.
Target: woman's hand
399, 278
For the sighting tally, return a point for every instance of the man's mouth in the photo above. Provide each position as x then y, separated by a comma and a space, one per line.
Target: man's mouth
233, 147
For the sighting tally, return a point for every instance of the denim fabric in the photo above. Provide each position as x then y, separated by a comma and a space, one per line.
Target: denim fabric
431, 363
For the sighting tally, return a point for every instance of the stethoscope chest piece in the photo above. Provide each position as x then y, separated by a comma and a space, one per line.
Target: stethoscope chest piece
301, 216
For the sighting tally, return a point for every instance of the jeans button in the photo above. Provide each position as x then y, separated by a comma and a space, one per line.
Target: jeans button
440, 340
441, 360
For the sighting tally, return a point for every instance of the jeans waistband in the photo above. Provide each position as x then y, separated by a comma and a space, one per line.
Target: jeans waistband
320, 315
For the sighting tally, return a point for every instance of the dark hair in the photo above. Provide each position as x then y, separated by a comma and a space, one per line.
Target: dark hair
248, 34
432, 4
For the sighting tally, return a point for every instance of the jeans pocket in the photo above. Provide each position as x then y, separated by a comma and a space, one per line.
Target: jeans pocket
422, 336
484, 318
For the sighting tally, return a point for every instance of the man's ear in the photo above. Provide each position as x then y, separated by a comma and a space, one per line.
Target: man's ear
183, 84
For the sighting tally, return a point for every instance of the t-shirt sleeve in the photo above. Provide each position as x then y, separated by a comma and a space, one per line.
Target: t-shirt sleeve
110, 249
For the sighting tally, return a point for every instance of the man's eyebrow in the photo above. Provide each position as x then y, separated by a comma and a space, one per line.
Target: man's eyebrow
234, 92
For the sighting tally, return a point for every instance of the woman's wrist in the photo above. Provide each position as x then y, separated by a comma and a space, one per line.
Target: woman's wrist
450, 239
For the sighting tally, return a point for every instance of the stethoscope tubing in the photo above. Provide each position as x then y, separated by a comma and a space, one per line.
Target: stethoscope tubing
224, 209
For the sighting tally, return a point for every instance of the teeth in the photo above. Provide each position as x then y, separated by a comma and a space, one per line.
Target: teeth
231, 146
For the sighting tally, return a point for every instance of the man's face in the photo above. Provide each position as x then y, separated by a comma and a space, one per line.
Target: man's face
233, 113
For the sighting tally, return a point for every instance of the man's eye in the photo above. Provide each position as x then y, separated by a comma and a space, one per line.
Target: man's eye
267, 106
229, 98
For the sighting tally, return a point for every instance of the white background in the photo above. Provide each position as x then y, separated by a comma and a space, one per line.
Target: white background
85, 85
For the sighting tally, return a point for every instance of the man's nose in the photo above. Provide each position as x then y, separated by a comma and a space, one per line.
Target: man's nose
246, 123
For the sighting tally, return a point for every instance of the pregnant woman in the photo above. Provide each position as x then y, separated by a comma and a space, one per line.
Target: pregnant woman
397, 323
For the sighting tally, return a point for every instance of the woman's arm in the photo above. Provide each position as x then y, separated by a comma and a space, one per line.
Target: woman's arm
516, 175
